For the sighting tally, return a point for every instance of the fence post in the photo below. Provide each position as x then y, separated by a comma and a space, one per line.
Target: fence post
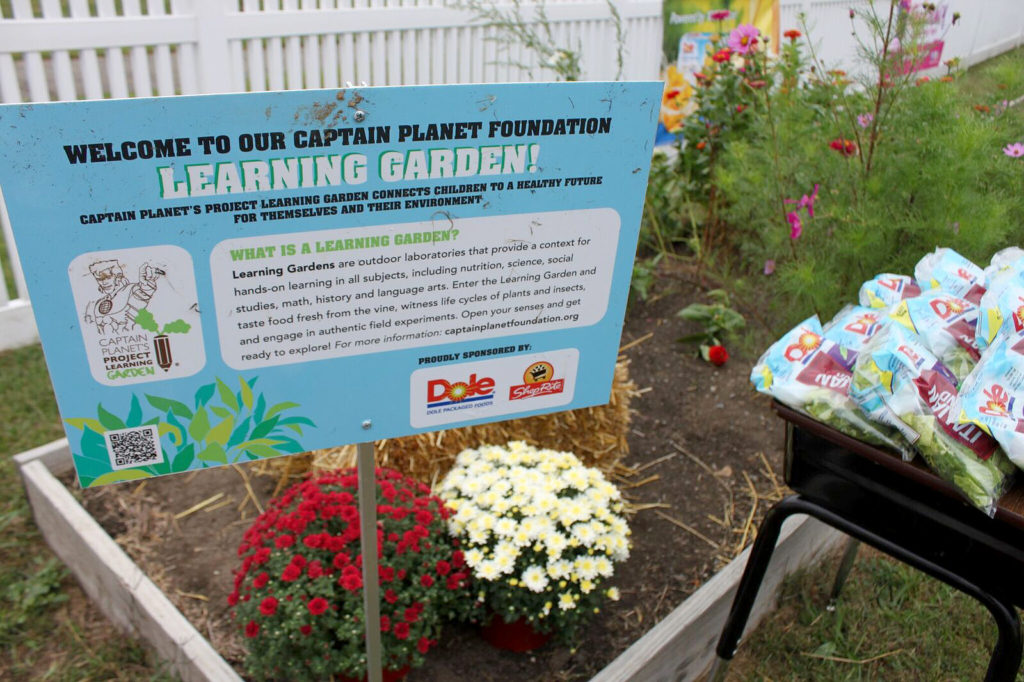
214, 58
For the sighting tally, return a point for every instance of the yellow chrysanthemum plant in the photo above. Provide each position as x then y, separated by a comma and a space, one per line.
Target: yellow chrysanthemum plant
541, 532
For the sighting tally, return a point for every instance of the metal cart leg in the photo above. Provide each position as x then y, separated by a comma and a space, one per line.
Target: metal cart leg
753, 574
845, 565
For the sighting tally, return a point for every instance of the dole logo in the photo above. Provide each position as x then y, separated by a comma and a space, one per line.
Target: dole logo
863, 325
947, 307
442, 392
806, 343
998, 402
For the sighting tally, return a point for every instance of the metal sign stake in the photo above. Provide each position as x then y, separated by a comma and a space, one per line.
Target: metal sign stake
368, 546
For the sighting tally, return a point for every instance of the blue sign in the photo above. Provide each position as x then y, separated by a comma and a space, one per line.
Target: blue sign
224, 278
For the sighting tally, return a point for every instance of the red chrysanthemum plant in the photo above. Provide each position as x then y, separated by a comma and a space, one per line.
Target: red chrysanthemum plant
298, 597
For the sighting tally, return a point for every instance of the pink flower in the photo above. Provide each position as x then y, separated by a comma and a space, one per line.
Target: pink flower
720, 15
1014, 150
796, 228
864, 120
743, 38
806, 201
769, 266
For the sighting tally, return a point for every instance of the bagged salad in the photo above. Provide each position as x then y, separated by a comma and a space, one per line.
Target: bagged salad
946, 325
1002, 305
992, 397
898, 381
887, 290
811, 374
947, 270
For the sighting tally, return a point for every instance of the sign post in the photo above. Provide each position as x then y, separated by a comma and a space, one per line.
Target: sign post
365, 468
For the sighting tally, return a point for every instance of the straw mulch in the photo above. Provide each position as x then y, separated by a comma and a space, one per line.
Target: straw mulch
597, 435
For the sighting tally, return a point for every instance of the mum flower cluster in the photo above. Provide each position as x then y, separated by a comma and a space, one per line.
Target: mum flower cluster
541, 533
298, 596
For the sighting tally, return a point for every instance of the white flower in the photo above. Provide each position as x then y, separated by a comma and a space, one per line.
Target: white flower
488, 570
559, 569
586, 567
474, 557
605, 569
534, 579
566, 602
613, 593
505, 527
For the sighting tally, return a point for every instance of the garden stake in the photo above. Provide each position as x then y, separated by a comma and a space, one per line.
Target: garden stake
368, 547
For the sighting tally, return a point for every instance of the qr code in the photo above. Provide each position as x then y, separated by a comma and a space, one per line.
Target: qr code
134, 447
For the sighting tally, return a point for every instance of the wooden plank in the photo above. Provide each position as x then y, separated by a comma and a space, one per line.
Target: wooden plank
114, 583
682, 646
55, 456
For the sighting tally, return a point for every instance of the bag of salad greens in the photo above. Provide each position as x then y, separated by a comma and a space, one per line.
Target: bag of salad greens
1002, 304
947, 270
992, 397
897, 378
851, 328
946, 325
887, 290
811, 374
1004, 259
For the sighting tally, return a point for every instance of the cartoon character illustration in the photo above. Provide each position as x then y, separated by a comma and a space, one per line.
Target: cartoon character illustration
115, 310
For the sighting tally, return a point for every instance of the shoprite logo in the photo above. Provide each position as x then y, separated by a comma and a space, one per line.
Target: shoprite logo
441, 392
539, 380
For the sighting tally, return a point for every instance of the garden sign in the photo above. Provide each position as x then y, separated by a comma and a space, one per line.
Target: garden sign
223, 278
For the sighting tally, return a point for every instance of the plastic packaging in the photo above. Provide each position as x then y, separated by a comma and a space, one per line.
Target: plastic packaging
811, 374
947, 270
946, 325
886, 290
897, 379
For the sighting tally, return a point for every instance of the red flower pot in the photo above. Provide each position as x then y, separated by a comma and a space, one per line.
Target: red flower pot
516, 636
387, 676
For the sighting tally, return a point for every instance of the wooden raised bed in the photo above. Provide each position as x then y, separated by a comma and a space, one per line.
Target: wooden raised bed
680, 647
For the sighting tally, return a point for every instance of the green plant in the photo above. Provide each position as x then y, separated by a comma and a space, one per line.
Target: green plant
222, 427
717, 320
298, 595
832, 184
516, 28
541, 533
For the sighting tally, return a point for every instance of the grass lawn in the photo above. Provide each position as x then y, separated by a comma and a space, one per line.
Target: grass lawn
48, 629
891, 622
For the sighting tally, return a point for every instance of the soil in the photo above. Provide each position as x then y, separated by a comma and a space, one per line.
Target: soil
705, 459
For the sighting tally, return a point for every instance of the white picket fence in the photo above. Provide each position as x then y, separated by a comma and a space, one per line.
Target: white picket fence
57, 50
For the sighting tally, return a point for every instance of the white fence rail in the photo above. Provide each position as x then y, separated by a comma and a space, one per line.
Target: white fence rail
56, 50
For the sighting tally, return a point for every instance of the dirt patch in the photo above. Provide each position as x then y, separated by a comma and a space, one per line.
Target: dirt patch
704, 465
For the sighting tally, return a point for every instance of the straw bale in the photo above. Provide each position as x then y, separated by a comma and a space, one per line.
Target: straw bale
597, 435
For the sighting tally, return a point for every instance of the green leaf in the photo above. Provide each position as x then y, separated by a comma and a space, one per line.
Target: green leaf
177, 437
168, 405
221, 432
262, 451
176, 327
183, 460
298, 420
289, 445
214, 452
261, 406
239, 434
118, 476
82, 422
227, 396
246, 393
280, 407
221, 412
264, 428
134, 412
109, 420
204, 393
294, 427
200, 425
144, 319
